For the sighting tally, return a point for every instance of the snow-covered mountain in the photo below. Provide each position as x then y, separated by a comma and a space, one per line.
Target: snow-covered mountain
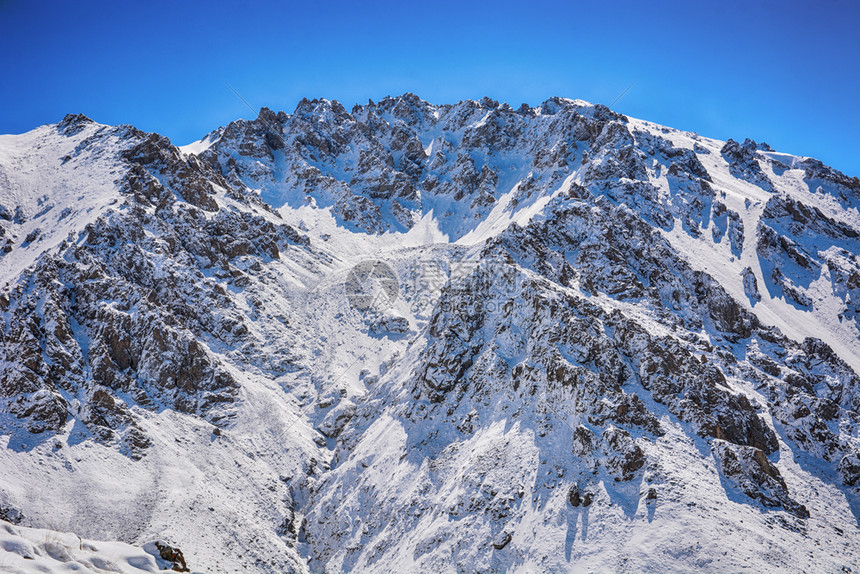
423, 338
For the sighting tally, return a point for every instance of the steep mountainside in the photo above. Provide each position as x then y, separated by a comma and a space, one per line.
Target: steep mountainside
432, 338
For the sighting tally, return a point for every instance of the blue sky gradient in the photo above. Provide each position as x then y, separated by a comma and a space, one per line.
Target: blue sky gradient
783, 72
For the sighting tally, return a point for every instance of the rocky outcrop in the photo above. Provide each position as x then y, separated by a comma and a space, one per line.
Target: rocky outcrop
749, 470
173, 556
751, 285
120, 317
623, 456
744, 162
801, 243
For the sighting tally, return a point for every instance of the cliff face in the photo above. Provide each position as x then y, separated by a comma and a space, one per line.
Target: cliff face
578, 335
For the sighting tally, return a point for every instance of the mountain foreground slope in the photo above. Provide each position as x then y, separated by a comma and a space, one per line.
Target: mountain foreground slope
422, 338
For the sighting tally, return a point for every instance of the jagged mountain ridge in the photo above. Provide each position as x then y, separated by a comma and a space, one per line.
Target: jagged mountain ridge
621, 295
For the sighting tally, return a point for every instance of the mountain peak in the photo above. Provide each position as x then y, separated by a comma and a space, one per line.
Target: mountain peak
419, 335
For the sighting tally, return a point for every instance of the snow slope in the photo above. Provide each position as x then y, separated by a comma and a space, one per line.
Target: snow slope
30, 550
52, 187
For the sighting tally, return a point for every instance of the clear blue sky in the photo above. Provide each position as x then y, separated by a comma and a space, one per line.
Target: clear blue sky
784, 72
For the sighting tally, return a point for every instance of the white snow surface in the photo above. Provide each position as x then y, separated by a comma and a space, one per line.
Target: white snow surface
58, 185
37, 550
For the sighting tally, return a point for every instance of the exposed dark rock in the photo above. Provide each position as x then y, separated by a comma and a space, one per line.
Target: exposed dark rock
623, 456
849, 469
172, 555
748, 469
751, 285
744, 163
573, 496
501, 540
11, 515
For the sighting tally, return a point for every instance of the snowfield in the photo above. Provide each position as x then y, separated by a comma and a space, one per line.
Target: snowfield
32, 550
